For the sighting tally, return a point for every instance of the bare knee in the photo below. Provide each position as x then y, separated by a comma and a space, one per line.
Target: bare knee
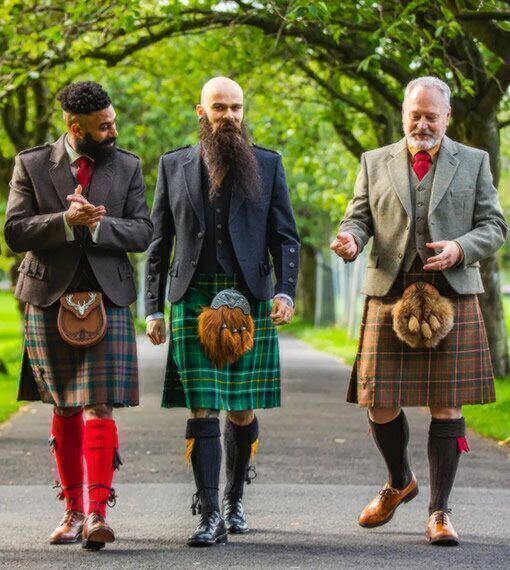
241, 418
204, 413
445, 413
99, 411
383, 415
67, 412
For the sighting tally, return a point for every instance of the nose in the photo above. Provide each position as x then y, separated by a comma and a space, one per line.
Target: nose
114, 133
422, 124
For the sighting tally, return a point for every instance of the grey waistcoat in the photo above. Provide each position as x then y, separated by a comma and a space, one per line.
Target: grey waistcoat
421, 193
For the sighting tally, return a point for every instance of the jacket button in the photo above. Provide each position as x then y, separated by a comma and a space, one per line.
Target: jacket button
292, 250
290, 280
150, 278
219, 242
150, 295
194, 263
200, 235
218, 210
400, 256
219, 226
291, 264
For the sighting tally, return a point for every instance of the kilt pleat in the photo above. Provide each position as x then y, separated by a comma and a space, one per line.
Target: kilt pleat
193, 381
106, 373
389, 373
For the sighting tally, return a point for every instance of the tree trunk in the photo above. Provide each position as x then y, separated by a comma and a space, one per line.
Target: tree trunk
307, 283
482, 132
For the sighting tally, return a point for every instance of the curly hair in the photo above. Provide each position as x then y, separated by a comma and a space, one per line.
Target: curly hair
83, 98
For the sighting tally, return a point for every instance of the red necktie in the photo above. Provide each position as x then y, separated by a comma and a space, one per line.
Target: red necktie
83, 175
421, 163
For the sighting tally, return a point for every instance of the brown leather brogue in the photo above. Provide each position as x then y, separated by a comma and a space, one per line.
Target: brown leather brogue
70, 528
381, 509
440, 530
96, 532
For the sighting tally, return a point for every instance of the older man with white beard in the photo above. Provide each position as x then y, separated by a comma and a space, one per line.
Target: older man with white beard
431, 207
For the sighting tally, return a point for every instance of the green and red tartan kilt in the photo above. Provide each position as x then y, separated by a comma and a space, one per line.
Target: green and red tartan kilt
389, 373
106, 373
193, 381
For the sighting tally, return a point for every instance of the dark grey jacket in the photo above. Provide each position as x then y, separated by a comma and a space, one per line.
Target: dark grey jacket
34, 223
257, 230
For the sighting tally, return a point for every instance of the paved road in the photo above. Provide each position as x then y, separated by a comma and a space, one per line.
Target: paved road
317, 467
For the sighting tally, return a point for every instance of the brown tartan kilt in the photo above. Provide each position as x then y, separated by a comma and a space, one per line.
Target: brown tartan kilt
59, 374
389, 373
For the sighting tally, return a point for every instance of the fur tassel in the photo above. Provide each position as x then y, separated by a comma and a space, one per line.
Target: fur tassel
422, 317
254, 448
189, 450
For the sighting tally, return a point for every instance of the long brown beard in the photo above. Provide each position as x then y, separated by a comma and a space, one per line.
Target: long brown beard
228, 150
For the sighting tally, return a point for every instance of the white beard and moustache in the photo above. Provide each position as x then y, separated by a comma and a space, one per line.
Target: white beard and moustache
228, 150
426, 144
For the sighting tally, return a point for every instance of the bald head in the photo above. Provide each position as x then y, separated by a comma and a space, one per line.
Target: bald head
221, 98
220, 86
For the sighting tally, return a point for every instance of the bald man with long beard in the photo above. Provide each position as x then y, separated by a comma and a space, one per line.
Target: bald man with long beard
222, 207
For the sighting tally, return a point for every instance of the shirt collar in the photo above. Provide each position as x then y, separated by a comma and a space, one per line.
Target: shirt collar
72, 153
432, 151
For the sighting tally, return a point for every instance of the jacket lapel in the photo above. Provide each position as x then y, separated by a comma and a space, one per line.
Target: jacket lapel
398, 167
446, 167
193, 179
101, 183
60, 171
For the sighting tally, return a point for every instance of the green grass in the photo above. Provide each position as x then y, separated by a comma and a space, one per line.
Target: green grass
491, 420
10, 354
328, 339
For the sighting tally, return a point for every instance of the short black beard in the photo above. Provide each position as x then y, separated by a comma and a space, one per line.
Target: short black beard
228, 150
99, 152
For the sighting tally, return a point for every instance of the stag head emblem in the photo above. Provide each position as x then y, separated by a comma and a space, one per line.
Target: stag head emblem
81, 307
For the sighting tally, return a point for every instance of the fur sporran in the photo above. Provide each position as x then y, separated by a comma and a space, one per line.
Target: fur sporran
226, 328
422, 317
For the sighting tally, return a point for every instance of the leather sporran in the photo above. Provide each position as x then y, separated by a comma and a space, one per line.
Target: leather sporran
226, 328
422, 317
82, 318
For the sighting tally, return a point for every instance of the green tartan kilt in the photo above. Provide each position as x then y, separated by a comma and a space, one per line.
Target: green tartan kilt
193, 381
65, 376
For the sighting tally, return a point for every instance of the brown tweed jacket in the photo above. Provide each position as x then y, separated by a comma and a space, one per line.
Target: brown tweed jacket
34, 224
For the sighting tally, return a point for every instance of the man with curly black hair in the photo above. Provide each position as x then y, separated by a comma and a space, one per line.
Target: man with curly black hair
77, 207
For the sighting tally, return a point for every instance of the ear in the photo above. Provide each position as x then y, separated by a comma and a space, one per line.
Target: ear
200, 111
449, 114
76, 130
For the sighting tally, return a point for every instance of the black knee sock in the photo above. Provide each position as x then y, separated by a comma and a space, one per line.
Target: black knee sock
444, 453
206, 460
238, 444
392, 439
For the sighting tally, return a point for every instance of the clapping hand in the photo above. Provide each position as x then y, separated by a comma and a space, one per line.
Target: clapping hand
81, 212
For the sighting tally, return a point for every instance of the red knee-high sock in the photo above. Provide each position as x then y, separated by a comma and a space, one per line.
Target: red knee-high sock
67, 442
100, 442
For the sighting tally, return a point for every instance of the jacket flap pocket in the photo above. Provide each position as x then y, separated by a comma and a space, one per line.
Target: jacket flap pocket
265, 267
125, 271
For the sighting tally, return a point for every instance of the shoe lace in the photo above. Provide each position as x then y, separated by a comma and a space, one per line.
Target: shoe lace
250, 474
196, 507
387, 492
62, 493
441, 517
111, 501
